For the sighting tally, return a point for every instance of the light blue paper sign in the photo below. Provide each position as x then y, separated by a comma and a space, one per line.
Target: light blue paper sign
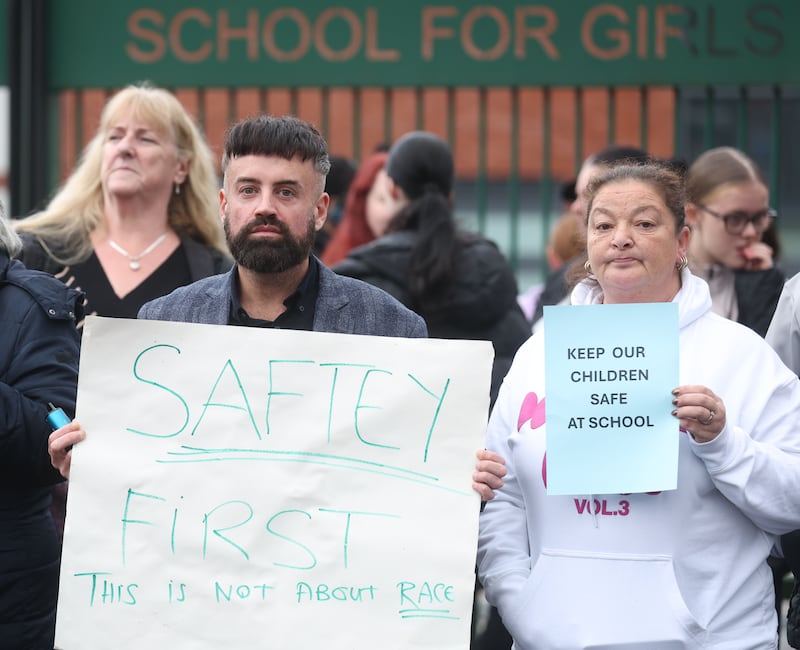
609, 372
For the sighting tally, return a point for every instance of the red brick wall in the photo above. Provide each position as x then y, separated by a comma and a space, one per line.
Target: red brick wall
216, 108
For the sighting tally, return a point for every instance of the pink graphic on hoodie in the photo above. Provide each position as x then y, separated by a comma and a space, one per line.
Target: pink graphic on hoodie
532, 410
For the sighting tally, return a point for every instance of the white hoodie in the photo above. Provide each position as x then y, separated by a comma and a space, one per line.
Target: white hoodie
784, 329
679, 569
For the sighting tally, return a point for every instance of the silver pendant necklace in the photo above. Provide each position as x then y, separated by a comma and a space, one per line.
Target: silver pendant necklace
133, 260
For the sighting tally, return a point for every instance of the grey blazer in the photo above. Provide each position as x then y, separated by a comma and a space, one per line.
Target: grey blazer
344, 305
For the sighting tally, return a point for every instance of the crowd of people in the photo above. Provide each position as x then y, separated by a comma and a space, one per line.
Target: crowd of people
296, 238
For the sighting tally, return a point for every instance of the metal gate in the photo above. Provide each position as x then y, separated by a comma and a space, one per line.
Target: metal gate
522, 92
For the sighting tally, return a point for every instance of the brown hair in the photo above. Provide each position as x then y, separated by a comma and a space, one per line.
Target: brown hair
567, 240
718, 167
660, 176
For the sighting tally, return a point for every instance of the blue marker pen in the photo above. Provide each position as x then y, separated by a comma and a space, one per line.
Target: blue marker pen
56, 418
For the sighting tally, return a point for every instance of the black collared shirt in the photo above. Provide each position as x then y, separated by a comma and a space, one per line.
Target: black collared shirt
299, 314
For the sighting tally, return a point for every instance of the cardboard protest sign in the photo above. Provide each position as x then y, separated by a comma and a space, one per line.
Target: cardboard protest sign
610, 370
249, 488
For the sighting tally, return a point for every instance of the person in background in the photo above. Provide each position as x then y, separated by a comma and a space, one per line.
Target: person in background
566, 243
568, 194
728, 212
367, 210
137, 217
39, 350
337, 184
557, 286
783, 335
685, 568
460, 282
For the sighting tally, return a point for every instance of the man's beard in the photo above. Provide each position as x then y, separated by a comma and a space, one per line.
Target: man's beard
269, 255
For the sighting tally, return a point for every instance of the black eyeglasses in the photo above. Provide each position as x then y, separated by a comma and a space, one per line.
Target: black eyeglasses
736, 222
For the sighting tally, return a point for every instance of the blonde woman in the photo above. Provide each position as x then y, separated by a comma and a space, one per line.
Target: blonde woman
138, 217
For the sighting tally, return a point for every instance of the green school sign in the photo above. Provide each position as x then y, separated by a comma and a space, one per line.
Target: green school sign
421, 42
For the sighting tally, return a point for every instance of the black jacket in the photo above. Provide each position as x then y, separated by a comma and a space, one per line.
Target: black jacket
482, 304
790, 542
39, 350
757, 294
793, 616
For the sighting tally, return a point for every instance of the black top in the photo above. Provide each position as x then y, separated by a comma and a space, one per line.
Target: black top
190, 262
757, 294
101, 299
555, 289
299, 314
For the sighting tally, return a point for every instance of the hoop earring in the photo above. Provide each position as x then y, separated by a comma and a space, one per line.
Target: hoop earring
683, 263
588, 267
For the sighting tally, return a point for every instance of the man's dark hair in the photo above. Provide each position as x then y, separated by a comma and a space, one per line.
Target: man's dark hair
276, 135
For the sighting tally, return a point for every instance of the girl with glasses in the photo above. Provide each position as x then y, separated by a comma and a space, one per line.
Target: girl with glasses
728, 212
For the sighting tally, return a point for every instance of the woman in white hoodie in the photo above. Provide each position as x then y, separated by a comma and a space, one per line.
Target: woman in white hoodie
683, 568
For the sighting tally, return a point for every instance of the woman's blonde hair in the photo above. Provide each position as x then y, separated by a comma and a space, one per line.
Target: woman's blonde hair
10, 243
77, 208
